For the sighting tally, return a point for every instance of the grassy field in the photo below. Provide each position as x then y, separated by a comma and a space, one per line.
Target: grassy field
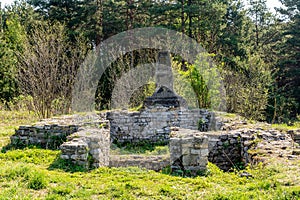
34, 173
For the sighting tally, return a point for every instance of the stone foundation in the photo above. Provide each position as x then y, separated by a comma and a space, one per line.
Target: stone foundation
230, 149
76, 151
224, 149
89, 139
155, 163
48, 136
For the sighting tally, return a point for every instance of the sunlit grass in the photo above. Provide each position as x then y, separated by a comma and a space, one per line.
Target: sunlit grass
295, 125
30, 173
16, 118
135, 183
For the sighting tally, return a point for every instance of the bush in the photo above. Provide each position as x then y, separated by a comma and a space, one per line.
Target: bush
37, 180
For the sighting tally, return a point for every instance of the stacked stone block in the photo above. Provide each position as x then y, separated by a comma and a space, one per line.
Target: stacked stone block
225, 149
188, 150
51, 133
153, 125
75, 151
89, 147
46, 136
230, 149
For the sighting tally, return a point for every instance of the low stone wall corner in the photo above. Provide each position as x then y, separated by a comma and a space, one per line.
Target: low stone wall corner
188, 150
89, 147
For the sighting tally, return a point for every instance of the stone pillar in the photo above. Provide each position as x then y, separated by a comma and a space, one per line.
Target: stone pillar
75, 151
163, 72
188, 151
164, 95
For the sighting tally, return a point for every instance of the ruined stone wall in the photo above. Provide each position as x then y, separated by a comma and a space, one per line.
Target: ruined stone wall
89, 147
48, 136
154, 124
224, 149
236, 148
188, 150
51, 133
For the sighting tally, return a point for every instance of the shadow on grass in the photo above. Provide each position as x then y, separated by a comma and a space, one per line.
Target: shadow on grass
66, 165
57, 164
19, 144
11, 147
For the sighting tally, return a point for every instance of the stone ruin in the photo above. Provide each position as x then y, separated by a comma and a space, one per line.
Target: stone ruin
188, 150
85, 139
88, 147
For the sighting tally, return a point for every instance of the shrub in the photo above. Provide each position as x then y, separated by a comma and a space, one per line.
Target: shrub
37, 180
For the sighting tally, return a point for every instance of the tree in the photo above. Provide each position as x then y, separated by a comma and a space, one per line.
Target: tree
12, 36
288, 76
47, 67
80, 17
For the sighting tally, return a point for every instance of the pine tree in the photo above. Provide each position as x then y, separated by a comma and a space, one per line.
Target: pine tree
289, 65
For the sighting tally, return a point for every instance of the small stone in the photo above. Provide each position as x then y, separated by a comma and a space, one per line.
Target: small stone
195, 151
74, 157
246, 174
204, 152
65, 157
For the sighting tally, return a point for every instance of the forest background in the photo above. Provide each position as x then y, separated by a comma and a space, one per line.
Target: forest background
43, 43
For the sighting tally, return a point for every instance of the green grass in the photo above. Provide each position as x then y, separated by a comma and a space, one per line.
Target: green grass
33, 173
295, 125
141, 148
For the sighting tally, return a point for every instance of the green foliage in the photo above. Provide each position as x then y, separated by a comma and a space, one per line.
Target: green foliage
14, 21
291, 126
288, 74
205, 81
235, 35
30, 155
47, 41
18, 171
248, 91
201, 124
62, 190
135, 183
200, 87
37, 180
10, 41
33, 179
137, 98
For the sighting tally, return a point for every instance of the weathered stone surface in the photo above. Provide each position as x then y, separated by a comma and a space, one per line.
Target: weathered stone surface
231, 148
89, 138
153, 125
295, 134
155, 163
165, 97
163, 72
51, 133
188, 150
88, 147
